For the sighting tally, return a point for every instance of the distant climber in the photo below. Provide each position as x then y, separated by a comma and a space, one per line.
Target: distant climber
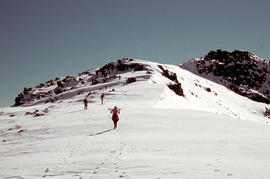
85, 102
115, 111
102, 97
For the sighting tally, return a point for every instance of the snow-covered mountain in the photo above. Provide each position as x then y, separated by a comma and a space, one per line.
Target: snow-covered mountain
241, 71
174, 123
214, 84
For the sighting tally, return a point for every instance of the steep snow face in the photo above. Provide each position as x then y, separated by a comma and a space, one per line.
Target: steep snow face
241, 71
173, 124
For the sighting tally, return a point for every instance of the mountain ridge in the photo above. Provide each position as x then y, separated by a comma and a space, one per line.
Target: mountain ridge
240, 71
182, 88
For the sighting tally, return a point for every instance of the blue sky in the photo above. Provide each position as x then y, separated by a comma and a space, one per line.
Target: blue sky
43, 39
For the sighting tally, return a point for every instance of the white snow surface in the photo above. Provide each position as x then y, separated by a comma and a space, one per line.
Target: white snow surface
206, 134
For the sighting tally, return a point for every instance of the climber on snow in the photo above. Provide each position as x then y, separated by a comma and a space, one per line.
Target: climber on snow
115, 111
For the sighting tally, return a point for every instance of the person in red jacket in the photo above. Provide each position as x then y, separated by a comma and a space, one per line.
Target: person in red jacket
115, 111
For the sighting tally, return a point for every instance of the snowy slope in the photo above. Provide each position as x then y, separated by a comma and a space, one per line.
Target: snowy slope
160, 134
198, 93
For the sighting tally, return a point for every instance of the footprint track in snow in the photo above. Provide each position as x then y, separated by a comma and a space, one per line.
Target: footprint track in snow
113, 160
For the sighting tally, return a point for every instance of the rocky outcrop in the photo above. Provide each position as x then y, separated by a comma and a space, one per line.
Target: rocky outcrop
52, 90
176, 86
240, 71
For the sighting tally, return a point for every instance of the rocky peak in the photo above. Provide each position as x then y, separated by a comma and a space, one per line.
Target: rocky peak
241, 71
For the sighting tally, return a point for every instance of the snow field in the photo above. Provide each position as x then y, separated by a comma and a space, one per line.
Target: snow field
159, 135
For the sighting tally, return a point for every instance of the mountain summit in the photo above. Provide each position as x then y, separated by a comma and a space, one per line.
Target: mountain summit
241, 71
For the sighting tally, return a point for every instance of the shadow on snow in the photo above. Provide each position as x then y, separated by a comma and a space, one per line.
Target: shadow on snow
102, 132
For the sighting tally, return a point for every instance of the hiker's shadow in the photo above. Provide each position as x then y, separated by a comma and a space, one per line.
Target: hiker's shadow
102, 132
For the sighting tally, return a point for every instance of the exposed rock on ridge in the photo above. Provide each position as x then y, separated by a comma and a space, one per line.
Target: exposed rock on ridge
241, 71
52, 90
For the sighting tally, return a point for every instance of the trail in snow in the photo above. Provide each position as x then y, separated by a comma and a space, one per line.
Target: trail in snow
159, 134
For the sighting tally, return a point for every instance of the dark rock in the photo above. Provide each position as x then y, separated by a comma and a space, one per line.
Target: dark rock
131, 80
173, 77
20, 131
26, 91
60, 84
19, 100
177, 89
58, 90
169, 75
208, 89
95, 81
267, 112
28, 113
38, 114
73, 87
